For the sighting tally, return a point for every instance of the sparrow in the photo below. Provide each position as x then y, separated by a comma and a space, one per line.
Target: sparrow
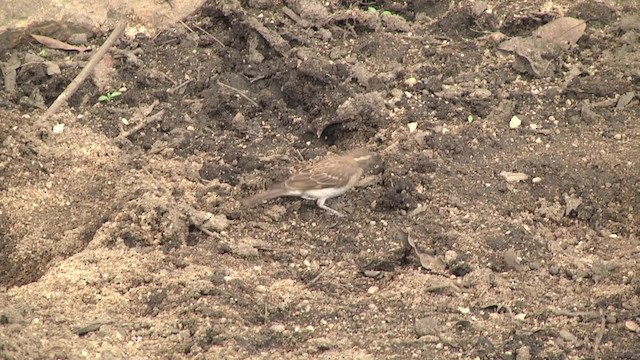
326, 179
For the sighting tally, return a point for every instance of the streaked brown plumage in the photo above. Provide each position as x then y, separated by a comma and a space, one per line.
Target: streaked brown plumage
324, 180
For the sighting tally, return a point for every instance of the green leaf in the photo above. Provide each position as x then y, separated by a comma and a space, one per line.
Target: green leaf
386, 12
115, 94
103, 98
470, 119
372, 9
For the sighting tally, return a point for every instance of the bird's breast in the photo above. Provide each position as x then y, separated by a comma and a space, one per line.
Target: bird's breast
326, 193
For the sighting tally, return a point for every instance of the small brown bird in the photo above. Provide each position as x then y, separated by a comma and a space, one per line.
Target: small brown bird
324, 180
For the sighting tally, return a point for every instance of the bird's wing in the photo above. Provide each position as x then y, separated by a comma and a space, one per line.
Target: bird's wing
325, 174
307, 180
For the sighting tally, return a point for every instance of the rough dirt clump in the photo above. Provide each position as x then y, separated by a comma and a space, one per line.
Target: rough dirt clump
512, 166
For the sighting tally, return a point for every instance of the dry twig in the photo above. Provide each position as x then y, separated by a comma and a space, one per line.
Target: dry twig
95, 59
599, 335
155, 117
239, 93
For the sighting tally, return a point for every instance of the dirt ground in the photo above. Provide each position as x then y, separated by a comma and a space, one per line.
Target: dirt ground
105, 247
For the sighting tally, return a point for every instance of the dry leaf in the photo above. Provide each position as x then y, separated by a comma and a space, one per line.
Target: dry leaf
57, 44
564, 31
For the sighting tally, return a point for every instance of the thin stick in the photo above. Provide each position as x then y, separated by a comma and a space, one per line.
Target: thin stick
320, 274
187, 26
208, 33
178, 87
155, 117
95, 59
239, 93
596, 345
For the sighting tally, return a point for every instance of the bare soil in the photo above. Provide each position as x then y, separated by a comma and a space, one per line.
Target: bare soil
103, 249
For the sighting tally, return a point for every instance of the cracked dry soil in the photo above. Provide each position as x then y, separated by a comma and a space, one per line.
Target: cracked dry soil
101, 255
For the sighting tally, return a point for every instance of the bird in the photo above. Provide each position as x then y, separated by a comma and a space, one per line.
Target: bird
326, 179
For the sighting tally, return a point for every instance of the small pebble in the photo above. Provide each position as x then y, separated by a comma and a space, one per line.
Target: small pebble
426, 326
568, 336
450, 256
78, 39
523, 353
631, 325
373, 290
515, 122
410, 81
58, 128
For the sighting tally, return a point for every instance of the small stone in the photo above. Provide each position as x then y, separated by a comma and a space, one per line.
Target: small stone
373, 290
515, 122
426, 326
617, 136
496, 37
480, 94
567, 336
261, 289
520, 317
373, 274
245, 249
278, 328
632, 326
217, 222
450, 256
523, 353
78, 39
536, 180
53, 68
410, 81
58, 128
324, 34
511, 177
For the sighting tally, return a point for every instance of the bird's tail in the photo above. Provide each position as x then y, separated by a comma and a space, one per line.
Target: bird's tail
266, 195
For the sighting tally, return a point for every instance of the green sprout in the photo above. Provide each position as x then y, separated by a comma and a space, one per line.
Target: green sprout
109, 96
372, 9
470, 118
42, 52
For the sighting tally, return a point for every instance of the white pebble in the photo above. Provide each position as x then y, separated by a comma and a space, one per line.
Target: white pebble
515, 122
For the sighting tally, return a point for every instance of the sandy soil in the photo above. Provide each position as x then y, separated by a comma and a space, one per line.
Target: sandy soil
105, 247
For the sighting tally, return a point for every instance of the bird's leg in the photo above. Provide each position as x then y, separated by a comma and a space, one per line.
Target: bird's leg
321, 205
